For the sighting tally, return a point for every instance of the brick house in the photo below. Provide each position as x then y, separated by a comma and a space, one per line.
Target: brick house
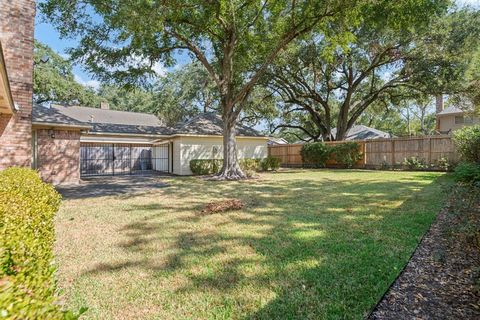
71, 142
65, 143
16, 84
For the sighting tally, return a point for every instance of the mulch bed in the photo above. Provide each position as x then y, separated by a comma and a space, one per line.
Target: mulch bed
442, 279
222, 206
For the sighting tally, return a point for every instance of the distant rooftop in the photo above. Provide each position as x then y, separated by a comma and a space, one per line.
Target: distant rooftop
450, 110
361, 132
212, 124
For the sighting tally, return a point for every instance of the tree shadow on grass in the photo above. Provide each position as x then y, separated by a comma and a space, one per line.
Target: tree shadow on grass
326, 249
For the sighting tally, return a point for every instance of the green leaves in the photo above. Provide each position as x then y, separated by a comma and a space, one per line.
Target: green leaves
27, 209
54, 82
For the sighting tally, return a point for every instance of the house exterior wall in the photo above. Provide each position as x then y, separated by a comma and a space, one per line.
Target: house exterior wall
447, 122
58, 158
187, 148
16, 34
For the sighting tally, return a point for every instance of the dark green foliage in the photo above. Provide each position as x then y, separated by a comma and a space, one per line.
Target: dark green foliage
54, 81
270, 163
212, 166
445, 164
316, 153
347, 154
414, 163
27, 209
467, 142
468, 172
205, 166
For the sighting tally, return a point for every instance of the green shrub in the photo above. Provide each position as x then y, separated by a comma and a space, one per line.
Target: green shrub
467, 142
468, 172
414, 163
270, 163
445, 164
206, 166
27, 209
250, 166
347, 154
316, 153
212, 166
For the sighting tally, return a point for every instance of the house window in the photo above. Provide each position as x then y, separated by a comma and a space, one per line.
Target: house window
468, 120
459, 120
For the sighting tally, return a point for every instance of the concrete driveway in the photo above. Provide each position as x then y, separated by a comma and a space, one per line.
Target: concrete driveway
112, 186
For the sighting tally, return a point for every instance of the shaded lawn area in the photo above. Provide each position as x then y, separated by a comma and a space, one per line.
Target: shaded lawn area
309, 244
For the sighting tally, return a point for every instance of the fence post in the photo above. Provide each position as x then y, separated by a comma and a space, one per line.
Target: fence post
429, 151
393, 153
364, 154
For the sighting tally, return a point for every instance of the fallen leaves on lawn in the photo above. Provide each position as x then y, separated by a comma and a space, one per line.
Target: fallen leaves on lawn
222, 206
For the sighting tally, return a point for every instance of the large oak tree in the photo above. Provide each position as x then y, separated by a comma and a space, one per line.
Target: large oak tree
234, 40
322, 91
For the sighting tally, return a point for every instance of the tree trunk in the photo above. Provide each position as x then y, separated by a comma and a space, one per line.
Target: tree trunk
231, 169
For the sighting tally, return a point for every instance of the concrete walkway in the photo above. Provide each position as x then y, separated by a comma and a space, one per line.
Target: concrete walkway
112, 185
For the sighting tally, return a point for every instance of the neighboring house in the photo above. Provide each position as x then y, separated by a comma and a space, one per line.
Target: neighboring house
361, 132
273, 141
72, 142
453, 118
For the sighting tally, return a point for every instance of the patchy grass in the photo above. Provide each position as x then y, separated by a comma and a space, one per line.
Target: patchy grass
308, 244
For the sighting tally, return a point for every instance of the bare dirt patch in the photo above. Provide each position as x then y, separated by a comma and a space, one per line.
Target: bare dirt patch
442, 280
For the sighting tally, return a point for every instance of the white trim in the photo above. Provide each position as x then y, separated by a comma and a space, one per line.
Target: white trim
128, 134
216, 135
113, 140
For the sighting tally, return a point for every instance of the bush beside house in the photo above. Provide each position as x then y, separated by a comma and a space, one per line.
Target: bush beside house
467, 142
27, 235
248, 165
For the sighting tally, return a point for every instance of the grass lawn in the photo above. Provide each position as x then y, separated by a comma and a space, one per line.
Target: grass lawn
309, 244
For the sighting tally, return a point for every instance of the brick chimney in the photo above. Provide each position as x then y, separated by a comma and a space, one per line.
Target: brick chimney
17, 19
438, 109
104, 105
439, 103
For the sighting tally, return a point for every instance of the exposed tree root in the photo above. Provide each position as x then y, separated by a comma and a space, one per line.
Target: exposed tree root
231, 175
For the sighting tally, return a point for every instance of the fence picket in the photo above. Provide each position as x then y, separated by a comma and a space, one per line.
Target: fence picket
381, 152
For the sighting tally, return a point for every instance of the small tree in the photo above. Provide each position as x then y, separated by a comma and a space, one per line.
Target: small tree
234, 40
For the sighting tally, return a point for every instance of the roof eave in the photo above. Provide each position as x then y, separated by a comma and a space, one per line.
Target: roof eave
128, 134
40, 124
216, 135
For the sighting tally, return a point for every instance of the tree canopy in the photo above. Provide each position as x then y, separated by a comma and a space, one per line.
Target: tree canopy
54, 81
319, 92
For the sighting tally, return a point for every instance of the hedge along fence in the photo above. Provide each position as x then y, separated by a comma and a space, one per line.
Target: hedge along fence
433, 151
27, 284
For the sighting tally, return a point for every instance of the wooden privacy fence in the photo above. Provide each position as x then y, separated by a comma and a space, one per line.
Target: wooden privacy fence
381, 152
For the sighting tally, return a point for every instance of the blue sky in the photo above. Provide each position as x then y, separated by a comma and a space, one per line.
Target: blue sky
45, 33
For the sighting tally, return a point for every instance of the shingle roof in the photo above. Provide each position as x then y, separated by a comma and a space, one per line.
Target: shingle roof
212, 124
45, 115
361, 132
130, 129
97, 115
450, 110
112, 121
100, 120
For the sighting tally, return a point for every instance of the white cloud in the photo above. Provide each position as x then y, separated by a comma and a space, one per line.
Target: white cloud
159, 69
88, 83
473, 3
